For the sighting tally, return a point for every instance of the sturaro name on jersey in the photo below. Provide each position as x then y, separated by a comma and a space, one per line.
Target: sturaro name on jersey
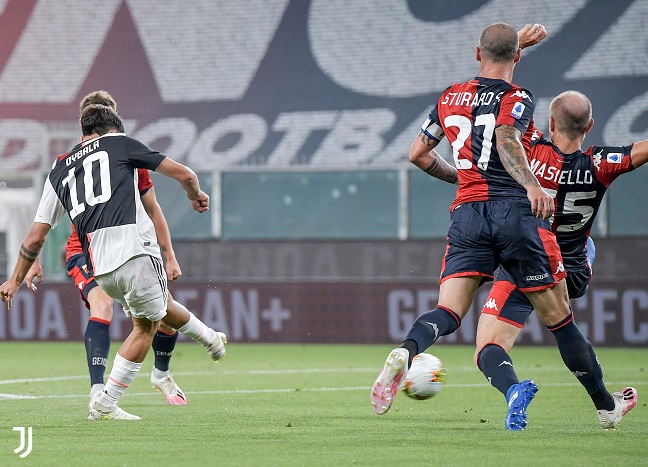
469, 99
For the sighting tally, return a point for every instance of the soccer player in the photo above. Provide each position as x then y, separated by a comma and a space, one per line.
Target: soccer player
499, 217
97, 337
96, 183
578, 180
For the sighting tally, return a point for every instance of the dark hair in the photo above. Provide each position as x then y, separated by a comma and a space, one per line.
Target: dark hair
98, 97
100, 119
499, 43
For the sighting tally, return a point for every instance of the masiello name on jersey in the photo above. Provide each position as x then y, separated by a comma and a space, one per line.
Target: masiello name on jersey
83, 152
563, 177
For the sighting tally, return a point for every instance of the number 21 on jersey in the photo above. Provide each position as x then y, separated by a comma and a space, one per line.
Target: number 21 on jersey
465, 128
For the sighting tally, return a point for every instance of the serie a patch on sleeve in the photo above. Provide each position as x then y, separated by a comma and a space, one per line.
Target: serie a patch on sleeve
518, 110
614, 157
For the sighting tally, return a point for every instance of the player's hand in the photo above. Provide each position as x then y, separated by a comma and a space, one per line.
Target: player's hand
7, 291
35, 271
173, 270
542, 204
201, 202
530, 35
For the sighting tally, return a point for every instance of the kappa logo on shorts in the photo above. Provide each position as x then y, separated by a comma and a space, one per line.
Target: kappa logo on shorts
491, 304
560, 268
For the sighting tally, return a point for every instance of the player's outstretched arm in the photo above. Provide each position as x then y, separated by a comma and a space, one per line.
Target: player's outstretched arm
29, 250
639, 153
154, 211
188, 180
423, 155
514, 159
530, 35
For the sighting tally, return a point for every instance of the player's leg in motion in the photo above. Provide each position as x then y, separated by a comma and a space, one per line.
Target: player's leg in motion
140, 286
97, 336
455, 298
180, 318
579, 357
126, 366
503, 316
163, 345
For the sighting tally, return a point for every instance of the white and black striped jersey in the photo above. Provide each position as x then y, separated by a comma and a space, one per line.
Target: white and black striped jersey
96, 183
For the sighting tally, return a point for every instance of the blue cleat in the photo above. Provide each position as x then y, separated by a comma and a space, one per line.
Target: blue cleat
518, 398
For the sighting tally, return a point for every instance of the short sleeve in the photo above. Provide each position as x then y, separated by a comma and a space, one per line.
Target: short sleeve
610, 162
141, 155
144, 182
50, 209
516, 109
431, 127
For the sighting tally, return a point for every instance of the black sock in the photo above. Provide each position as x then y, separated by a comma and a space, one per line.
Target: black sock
578, 355
497, 367
412, 348
430, 326
163, 345
97, 344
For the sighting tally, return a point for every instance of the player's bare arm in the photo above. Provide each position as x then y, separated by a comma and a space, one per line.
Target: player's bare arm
530, 35
189, 182
35, 272
639, 154
515, 162
29, 250
423, 155
154, 211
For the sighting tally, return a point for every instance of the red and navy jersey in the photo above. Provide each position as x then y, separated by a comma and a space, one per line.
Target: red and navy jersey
97, 184
578, 182
468, 114
73, 245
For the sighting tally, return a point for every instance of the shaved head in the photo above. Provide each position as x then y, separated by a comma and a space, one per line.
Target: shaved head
572, 113
499, 43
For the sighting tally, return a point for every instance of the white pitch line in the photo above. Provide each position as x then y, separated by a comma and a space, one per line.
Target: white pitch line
291, 390
469, 368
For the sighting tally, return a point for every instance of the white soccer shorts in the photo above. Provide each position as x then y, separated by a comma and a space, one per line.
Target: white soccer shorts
140, 285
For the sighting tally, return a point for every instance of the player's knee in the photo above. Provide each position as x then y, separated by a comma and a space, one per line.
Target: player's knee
166, 329
101, 306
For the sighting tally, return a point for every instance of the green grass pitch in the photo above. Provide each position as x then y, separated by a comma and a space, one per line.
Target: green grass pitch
309, 405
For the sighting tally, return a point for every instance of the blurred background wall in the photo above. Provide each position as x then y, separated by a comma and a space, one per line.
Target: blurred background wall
298, 116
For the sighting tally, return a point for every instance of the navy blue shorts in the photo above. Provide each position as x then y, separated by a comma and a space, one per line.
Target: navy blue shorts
83, 280
510, 305
487, 234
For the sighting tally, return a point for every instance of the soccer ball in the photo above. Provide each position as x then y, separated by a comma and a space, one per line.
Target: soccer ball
425, 377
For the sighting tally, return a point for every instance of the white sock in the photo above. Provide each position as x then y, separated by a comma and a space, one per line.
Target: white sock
121, 376
159, 374
95, 388
197, 330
